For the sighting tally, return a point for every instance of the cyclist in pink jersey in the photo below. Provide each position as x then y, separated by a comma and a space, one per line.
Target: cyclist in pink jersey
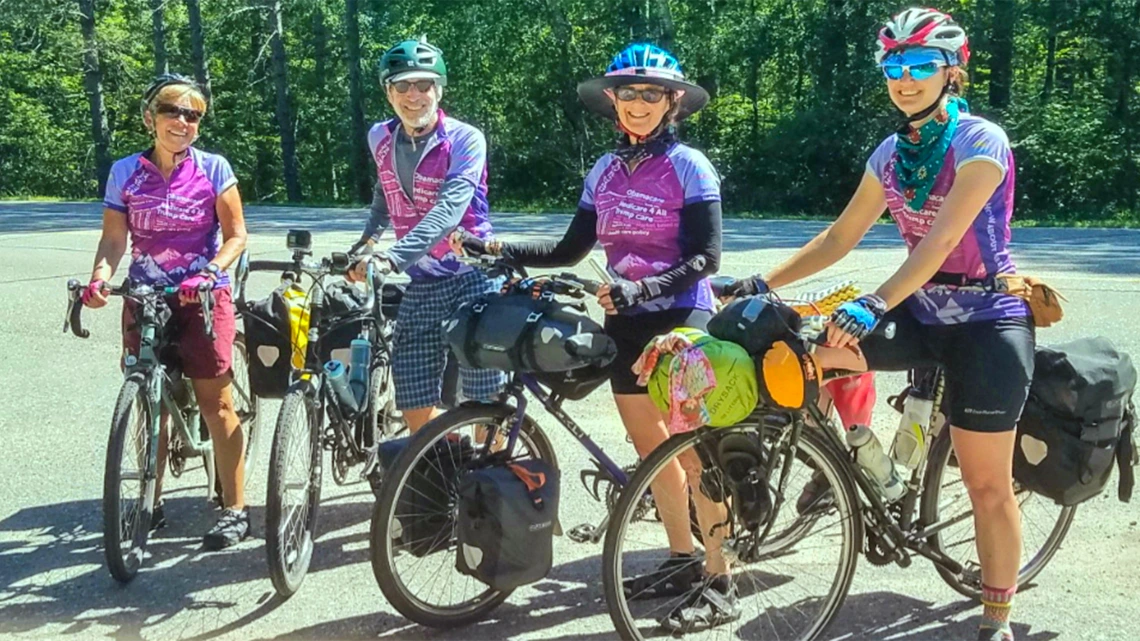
180, 209
947, 179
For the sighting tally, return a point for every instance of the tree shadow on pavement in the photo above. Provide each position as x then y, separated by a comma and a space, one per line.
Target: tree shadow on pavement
887, 616
54, 572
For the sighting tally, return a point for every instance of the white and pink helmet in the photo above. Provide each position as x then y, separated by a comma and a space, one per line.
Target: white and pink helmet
921, 27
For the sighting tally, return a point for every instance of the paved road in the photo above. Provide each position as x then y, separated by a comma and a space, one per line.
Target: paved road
56, 394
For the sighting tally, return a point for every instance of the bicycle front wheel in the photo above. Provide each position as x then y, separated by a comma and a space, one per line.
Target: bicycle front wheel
1044, 524
412, 540
247, 405
789, 594
128, 481
294, 492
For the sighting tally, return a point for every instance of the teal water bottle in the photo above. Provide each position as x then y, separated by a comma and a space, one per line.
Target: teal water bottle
337, 380
359, 359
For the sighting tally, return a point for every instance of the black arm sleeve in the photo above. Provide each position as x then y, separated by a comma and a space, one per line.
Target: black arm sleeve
576, 243
700, 251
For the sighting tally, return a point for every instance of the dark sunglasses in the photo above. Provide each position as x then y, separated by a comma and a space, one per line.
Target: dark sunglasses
629, 94
402, 86
918, 72
191, 116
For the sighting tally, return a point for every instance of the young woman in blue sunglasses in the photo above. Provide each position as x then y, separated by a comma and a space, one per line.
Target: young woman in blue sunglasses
947, 178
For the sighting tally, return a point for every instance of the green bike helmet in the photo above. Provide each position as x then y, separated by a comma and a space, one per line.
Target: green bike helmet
413, 60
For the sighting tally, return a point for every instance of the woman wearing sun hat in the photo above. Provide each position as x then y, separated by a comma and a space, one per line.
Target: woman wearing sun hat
654, 205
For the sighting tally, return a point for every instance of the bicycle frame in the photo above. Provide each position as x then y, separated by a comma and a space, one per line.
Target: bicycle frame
159, 397
900, 535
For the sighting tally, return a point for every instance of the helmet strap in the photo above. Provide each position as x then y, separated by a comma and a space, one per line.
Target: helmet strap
934, 106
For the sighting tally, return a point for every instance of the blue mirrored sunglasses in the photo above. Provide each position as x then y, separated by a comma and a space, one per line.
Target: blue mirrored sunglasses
920, 71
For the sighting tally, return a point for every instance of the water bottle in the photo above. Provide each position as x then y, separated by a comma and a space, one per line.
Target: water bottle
909, 447
871, 457
360, 358
337, 381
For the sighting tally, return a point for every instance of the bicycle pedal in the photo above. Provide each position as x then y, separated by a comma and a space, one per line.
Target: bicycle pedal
582, 533
371, 460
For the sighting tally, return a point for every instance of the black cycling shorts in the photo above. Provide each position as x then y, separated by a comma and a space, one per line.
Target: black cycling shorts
631, 333
988, 364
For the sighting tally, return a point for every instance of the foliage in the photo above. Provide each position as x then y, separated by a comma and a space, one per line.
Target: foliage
797, 104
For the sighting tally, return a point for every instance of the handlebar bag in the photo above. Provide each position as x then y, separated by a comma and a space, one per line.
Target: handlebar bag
515, 332
755, 323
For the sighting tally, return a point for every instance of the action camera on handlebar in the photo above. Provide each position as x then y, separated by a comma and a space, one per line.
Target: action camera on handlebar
299, 241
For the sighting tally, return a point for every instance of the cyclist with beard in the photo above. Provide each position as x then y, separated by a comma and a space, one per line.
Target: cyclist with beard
432, 178
947, 179
654, 205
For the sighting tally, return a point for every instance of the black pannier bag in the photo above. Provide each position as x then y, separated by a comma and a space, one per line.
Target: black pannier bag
425, 510
507, 517
515, 332
269, 333
1077, 422
268, 339
755, 323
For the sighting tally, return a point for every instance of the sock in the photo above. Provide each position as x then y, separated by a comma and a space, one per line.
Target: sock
997, 604
720, 582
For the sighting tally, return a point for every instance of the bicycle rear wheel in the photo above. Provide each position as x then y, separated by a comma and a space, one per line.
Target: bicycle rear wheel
1044, 524
128, 483
789, 594
412, 538
294, 493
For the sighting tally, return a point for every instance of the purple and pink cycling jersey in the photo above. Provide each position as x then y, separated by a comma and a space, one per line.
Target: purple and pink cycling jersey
639, 217
173, 223
984, 250
460, 152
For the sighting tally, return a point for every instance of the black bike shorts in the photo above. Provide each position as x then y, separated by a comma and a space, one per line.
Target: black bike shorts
631, 333
988, 364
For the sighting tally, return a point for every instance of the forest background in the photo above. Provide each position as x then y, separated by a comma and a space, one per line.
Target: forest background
797, 106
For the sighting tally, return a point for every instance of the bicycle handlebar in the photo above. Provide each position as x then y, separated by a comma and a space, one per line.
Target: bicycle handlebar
271, 266
138, 294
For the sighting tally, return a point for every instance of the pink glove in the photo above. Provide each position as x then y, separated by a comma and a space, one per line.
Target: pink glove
188, 290
93, 289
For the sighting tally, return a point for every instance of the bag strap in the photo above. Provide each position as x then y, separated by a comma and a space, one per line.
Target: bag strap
1126, 457
472, 324
534, 482
525, 344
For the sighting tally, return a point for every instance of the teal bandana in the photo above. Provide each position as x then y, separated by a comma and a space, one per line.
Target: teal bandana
921, 152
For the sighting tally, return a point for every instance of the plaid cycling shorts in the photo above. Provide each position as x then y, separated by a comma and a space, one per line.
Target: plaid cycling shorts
420, 348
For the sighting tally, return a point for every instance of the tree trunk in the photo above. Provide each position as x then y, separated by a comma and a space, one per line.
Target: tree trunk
362, 175
1126, 49
159, 31
198, 47
284, 114
320, 44
1051, 50
93, 84
663, 27
1001, 54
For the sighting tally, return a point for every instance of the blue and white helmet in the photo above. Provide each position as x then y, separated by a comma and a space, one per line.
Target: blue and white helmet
643, 63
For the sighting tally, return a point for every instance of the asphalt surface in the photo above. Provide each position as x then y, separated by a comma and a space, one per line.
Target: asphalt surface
57, 392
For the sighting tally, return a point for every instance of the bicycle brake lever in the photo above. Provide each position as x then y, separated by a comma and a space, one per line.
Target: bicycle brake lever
594, 487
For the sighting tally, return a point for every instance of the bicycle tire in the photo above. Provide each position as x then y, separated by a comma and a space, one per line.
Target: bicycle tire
251, 423
289, 561
384, 512
933, 484
124, 566
832, 466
